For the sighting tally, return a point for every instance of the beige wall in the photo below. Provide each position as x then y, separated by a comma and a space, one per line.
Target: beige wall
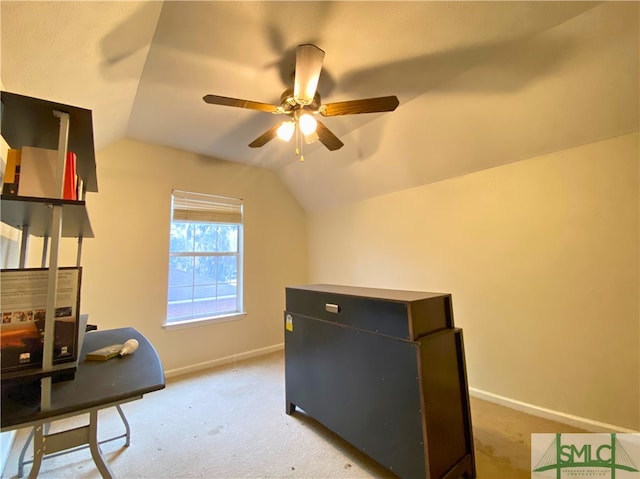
125, 266
541, 257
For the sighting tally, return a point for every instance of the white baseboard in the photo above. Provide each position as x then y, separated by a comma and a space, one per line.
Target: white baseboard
564, 418
6, 443
222, 361
557, 416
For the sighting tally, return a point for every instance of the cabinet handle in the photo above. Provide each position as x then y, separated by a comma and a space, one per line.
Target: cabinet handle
332, 308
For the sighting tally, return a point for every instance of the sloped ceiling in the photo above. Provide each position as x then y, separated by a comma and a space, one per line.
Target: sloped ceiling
480, 83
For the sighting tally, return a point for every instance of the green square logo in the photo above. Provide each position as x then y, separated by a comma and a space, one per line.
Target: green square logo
588, 456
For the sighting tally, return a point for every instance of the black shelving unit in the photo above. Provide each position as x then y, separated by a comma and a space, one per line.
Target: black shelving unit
21, 211
28, 121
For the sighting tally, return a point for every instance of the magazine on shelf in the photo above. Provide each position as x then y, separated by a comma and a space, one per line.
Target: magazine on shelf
23, 299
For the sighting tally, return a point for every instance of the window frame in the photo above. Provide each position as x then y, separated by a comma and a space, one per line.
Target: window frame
201, 208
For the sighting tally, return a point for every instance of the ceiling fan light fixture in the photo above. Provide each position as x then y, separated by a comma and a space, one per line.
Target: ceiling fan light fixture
285, 130
302, 104
308, 124
311, 137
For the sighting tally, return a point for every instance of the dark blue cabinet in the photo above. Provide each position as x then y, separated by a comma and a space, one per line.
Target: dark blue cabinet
385, 370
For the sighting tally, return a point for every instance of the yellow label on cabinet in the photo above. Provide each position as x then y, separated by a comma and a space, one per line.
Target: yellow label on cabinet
288, 324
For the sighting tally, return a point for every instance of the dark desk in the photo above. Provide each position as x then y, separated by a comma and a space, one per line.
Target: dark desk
97, 385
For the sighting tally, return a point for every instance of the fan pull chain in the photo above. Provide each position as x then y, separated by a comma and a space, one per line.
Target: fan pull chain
299, 143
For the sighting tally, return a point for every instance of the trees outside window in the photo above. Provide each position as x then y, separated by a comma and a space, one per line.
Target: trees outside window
205, 257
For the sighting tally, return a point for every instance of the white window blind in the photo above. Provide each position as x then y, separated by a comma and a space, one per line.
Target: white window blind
205, 258
201, 208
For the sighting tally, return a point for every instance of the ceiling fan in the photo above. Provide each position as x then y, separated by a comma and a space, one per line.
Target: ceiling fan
302, 104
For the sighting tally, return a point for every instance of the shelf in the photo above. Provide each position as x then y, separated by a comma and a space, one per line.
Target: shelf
28, 121
22, 375
19, 211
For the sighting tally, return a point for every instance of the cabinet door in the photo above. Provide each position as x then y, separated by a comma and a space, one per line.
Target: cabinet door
361, 385
446, 402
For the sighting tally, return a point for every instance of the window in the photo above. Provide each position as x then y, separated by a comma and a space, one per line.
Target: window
205, 258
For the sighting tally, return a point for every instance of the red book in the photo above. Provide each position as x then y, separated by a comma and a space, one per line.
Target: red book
70, 180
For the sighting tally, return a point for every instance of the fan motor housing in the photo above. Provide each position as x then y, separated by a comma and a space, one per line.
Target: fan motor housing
288, 102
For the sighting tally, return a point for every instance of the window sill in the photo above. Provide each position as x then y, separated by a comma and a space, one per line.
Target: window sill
192, 323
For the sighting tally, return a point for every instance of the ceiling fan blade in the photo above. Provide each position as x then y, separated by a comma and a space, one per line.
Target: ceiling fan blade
267, 136
308, 66
327, 138
353, 107
251, 105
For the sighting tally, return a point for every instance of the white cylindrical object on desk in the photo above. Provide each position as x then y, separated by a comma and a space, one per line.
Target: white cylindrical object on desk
128, 347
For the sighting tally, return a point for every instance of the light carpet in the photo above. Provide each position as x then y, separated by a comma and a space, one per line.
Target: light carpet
230, 423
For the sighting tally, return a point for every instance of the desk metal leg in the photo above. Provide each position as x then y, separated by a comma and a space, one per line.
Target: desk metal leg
21, 462
96, 453
126, 426
38, 451
67, 444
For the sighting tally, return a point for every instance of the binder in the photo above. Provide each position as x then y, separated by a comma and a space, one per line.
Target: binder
70, 178
12, 173
38, 174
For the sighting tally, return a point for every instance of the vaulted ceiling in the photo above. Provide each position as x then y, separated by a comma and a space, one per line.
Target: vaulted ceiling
480, 84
